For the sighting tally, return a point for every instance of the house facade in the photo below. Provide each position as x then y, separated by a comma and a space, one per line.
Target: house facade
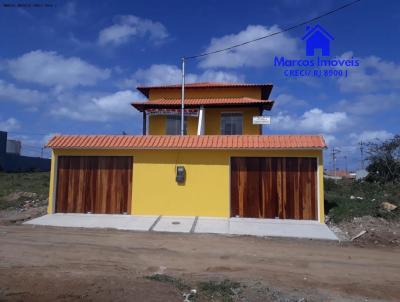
223, 166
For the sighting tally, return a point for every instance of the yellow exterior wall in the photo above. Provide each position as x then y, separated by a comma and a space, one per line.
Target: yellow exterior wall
250, 92
158, 125
52, 180
192, 123
206, 191
213, 120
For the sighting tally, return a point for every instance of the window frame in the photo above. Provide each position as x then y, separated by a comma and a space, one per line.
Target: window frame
178, 129
232, 113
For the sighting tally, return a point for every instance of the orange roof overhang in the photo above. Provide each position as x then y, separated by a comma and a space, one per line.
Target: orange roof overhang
196, 103
210, 142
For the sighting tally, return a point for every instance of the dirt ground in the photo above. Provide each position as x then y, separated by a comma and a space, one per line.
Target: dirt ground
66, 264
48, 264
376, 231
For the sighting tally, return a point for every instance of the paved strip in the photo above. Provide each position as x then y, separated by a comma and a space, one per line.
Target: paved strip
194, 224
120, 222
280, 228
212, 225
154, 224
177, 224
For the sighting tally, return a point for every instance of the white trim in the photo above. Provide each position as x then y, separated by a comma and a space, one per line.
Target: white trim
147, 125
200, 124
229, 186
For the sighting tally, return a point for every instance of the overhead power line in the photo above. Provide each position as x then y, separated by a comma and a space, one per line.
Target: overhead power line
245, 43
274, 33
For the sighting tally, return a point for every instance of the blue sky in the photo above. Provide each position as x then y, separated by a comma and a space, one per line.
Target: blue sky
73, 67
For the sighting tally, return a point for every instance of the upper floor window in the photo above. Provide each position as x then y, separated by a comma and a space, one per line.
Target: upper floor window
231, 123
174, 125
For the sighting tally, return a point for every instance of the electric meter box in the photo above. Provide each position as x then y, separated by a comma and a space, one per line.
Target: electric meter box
180, 174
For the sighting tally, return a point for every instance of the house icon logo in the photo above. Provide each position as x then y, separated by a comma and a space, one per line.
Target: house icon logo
317, 38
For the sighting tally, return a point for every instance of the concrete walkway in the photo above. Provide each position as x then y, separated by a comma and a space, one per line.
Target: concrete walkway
190, 224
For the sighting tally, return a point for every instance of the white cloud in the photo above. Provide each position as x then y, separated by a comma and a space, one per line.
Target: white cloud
314, 120
217, 76
170, 74
9, 124
9, 92
285, 100
157, 74
373, 74
50, 69
128, 27
366, 136
330, 139
370, 103
100, 108
260, 53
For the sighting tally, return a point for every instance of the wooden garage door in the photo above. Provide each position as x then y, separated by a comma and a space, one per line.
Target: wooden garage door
270, 187
96, 184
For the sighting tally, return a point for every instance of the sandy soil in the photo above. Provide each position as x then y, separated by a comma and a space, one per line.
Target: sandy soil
378, 231
47, 264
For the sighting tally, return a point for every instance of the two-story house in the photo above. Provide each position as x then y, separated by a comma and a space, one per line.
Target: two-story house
211, 108
223, 165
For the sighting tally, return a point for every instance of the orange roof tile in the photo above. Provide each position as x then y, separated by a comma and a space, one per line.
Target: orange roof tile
187, 142
207, 102
266, 88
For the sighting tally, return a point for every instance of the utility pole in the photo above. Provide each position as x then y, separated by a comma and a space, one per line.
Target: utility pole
345, 163
334, 153
183, 98
362, 154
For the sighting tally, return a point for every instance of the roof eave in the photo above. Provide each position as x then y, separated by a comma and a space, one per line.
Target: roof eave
185, 148
142, 106
265, 88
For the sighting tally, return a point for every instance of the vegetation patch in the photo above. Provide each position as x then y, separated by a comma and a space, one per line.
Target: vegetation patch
176, 282
16, 188
224, 290
345, 199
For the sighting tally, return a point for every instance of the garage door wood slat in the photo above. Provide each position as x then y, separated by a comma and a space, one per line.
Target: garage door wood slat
96, 184
274, 187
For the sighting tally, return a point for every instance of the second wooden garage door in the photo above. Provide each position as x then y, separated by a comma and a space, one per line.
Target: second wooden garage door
271, 187
94, 184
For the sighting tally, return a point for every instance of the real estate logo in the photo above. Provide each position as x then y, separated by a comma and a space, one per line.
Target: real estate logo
318, 62
317, 38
